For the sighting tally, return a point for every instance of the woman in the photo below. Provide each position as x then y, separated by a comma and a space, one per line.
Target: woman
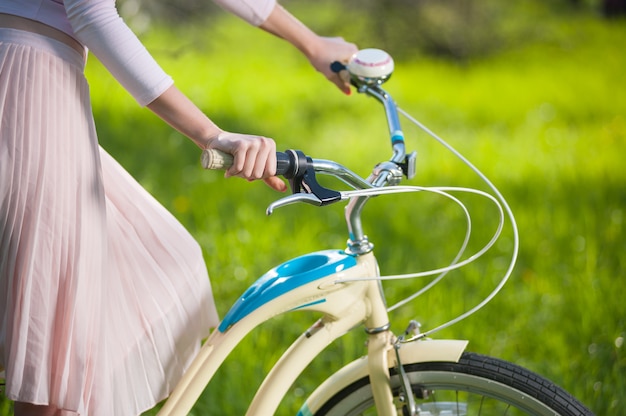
104, 296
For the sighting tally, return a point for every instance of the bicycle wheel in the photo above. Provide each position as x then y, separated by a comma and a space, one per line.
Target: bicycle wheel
476, 385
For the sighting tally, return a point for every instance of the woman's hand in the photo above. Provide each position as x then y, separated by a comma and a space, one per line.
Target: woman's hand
329, 50
254, 157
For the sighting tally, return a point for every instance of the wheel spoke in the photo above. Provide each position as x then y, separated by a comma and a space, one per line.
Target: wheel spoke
480, 408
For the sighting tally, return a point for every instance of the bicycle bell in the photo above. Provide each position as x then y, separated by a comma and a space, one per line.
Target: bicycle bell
370, 67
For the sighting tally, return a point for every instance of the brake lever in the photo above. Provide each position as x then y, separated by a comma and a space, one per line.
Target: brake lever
292, 199
305, 188
307, 183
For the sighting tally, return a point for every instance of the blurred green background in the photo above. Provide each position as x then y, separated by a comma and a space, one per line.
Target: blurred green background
533, 93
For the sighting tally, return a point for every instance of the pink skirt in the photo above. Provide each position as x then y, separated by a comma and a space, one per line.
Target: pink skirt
104, 296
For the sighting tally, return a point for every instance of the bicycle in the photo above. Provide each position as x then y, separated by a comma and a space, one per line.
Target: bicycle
409, 374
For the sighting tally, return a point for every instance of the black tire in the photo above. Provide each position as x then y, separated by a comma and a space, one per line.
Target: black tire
476, 385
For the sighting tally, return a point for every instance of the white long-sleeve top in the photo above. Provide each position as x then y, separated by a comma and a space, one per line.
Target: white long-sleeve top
97, 25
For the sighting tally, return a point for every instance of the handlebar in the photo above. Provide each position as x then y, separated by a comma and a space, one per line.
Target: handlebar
368, 70
300, 170
290, 164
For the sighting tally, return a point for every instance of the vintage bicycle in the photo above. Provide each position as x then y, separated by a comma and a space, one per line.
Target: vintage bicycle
405, 374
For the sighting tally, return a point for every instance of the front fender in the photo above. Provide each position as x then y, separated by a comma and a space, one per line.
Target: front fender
412, 352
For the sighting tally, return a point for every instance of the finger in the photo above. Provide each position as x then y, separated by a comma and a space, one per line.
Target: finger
340, 76
254, 159
264, 159
344, 76
342, 81
345, 87
272, 162
239, 163
276, 183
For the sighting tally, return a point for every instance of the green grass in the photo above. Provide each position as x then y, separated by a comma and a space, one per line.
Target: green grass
546, 121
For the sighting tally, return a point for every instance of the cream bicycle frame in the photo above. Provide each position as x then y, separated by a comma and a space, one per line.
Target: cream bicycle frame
345, 305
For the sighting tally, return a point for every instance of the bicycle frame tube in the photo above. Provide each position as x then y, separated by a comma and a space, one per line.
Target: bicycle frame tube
345, 305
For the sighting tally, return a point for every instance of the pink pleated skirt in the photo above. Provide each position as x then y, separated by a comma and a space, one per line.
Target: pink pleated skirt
104, 296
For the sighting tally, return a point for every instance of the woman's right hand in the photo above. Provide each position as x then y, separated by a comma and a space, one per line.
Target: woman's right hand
254, 157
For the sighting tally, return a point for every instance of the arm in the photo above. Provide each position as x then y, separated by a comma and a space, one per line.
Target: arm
97, 25
320, 51
255, 156
274, 19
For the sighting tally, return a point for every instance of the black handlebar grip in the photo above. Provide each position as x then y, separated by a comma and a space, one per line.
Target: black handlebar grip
337, 67
283, 163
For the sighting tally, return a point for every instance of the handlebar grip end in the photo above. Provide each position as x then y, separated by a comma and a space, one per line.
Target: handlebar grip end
216, 159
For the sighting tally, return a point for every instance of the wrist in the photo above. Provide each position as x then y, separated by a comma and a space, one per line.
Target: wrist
210, 136
312, 47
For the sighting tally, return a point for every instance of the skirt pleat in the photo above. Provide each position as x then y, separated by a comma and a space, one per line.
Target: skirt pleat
104, 296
